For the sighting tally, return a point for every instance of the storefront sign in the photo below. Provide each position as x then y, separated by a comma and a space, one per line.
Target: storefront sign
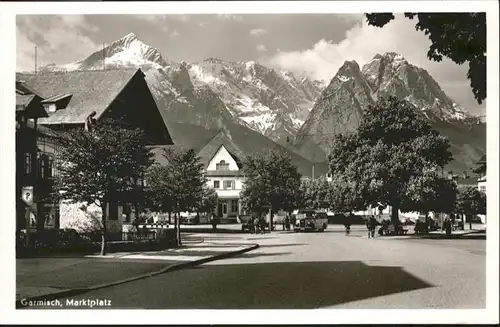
27, 194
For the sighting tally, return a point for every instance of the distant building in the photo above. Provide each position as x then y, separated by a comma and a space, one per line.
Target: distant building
222, 153
481, 184
78, 99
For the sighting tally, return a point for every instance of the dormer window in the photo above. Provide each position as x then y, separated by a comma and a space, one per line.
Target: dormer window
222, 165
57, 102
50, 107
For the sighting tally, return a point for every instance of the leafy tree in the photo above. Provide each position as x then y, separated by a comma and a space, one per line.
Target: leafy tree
158, 190
102, 166
294, 200
209, 200
392, 146
430, 192
316, 193
271, 182
470, 202
459, 36
177, 186
344, 196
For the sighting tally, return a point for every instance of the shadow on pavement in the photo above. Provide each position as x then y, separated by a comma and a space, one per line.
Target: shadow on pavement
292, 285
261, 238
82, 274
281, 245
208, 238
249, 255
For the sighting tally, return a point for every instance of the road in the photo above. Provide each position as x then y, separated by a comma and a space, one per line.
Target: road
320, 270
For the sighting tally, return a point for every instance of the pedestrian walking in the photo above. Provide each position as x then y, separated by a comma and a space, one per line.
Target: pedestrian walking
213, 221
347, 225
447, 226
256, 225
372, 225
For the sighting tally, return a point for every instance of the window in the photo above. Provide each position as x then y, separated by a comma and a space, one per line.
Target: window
52, 169
50, 107
27, 163
228, 185
41, 167
216, 184
222, 165
113, 211
234, 205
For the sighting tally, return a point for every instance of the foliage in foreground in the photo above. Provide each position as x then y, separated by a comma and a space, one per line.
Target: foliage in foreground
102, 166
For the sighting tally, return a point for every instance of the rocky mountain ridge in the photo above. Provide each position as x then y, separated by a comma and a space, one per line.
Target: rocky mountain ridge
213, 93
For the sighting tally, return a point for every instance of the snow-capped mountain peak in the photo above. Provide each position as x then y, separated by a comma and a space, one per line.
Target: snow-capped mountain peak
127, 51
130, 51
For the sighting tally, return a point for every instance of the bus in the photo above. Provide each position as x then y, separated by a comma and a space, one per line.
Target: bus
311, 220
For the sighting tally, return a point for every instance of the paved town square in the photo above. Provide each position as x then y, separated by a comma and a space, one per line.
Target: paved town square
270, 161
319, 270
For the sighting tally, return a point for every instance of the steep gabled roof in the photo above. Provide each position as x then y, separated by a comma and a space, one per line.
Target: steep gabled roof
238, 140
189, 136
31, 105
23, 100
207, 153
92, 90
22, 88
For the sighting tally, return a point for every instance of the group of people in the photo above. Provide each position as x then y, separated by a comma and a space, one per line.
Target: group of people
371, 224
447, 225
286, 223
257, 225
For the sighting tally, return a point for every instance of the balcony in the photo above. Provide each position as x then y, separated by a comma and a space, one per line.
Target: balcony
228, 193
223, 173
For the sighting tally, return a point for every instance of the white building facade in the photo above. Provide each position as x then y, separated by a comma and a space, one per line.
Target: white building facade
225, 177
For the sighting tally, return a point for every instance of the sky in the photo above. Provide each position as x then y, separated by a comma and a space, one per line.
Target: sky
315, 45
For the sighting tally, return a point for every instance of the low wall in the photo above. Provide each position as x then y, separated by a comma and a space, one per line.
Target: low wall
165, 239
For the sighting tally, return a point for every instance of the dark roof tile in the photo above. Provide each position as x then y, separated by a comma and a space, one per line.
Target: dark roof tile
92, 90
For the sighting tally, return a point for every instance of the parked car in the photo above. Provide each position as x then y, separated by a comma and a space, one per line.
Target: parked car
190, 219
311, 220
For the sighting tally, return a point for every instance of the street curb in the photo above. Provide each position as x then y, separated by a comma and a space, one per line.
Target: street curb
179, 266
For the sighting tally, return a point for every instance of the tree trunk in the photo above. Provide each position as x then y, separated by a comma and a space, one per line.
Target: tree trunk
178, 232
136, 210
395, 215
175, 229
169, 218
271, 220
104, 244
